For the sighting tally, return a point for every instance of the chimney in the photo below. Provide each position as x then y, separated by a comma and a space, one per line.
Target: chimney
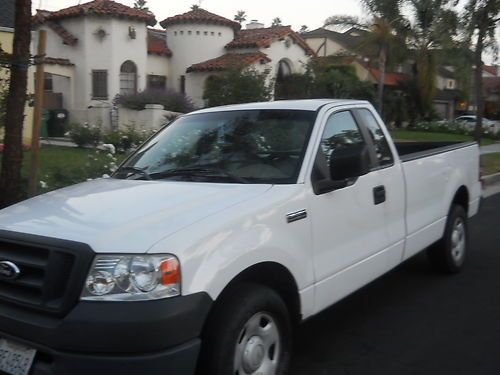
254, 24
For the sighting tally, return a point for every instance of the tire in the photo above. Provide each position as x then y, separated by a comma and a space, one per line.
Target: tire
248, 332
448, 254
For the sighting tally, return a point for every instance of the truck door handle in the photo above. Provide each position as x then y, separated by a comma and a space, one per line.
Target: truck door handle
379, 194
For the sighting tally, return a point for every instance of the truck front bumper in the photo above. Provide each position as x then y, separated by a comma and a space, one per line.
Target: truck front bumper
153, 337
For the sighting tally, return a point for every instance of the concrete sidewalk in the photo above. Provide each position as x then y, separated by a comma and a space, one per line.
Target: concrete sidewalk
495, 147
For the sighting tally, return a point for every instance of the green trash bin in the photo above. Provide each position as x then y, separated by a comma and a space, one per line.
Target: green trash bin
44, 132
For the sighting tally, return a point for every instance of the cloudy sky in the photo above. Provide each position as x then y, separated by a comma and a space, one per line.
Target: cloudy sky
292, 12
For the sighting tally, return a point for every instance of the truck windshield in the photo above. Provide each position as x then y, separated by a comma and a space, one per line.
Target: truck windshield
251, 146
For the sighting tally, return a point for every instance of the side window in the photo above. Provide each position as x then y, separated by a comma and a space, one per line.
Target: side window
382, 150
340, 131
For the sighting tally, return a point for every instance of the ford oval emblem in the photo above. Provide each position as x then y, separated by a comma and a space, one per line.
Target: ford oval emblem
9, 270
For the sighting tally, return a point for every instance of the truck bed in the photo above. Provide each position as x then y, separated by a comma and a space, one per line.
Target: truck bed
416, 150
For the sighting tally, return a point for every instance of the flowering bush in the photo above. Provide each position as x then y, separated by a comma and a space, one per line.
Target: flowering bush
85, 135
169, 99
124, 140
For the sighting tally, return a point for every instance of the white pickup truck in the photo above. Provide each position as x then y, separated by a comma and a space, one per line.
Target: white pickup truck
219, 234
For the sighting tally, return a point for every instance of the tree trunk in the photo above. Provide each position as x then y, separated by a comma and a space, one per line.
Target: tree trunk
10, 176
478, 80
382, 58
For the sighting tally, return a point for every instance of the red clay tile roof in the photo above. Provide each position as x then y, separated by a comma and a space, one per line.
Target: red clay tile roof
157, 43
390, 79
490, 69
228, 60
199, 16
104, 8
57, 61
40, 18
263, 37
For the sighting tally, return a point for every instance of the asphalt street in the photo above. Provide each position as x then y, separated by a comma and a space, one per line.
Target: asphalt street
415, 320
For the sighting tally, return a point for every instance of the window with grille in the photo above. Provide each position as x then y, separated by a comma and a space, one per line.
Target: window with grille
157, 82
100, 84
128, 78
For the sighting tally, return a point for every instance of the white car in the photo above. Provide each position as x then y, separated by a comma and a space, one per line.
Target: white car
219, 234
470, 122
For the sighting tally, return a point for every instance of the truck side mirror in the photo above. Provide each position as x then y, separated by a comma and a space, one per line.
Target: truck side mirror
345, 163
349, 162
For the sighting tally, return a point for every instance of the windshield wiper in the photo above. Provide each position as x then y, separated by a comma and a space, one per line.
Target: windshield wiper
198, 171
134, 171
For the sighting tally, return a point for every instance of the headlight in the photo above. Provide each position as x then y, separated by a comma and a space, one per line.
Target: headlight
132, 278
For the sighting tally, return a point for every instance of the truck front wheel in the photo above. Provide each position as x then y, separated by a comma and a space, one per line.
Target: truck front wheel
249, 332
448, 255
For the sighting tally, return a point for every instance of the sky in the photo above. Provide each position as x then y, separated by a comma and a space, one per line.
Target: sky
292, 12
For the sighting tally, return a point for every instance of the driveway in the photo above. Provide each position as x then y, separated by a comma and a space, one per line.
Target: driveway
414, 320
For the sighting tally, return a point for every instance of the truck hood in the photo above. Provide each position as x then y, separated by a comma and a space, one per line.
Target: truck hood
123, 216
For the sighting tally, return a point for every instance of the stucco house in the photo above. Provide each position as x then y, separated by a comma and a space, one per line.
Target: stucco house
102, 48
7, 10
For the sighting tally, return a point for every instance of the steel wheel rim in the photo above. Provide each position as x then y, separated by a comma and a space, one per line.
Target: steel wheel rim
458, 240
258, 346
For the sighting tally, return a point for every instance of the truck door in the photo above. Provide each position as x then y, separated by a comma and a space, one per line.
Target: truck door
350, 233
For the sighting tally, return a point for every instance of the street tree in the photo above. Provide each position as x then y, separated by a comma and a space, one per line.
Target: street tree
480, 21
240, 16
10, 174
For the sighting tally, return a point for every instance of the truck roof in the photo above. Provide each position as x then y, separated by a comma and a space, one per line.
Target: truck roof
304, 105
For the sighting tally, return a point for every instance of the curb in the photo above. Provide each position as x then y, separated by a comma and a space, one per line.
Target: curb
491, 179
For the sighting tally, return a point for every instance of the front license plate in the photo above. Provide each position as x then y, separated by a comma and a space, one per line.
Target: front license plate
15, 359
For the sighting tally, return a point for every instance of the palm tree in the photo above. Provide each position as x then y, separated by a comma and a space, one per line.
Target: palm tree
276, 22
381, 35
431, 34
481, 17
240, 16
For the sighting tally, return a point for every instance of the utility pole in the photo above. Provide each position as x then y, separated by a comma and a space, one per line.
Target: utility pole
37, 115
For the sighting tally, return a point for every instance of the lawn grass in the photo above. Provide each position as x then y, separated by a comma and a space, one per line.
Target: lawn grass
410, 135
490, 163
61, 166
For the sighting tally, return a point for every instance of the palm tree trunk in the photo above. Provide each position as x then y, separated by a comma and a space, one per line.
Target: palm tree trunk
10, 176
478, 80
382, 59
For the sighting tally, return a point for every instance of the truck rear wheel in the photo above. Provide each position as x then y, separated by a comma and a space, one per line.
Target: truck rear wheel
448, 254
249, 332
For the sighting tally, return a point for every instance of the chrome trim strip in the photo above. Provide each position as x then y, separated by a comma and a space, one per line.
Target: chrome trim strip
295, 216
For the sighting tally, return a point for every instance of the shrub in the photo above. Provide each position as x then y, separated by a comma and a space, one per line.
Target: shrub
85, 135
127, 139
169, 99
235, 86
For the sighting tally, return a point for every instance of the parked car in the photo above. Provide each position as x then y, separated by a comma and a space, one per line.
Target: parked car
221, 233
470, 122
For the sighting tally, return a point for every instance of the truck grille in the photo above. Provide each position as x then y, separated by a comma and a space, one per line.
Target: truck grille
50, 277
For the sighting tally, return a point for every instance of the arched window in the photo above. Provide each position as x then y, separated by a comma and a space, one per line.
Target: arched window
284, 69
128, 78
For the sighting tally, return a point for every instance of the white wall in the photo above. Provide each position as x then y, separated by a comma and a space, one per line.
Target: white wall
325, 46
92, 53
193, 46
158, 65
